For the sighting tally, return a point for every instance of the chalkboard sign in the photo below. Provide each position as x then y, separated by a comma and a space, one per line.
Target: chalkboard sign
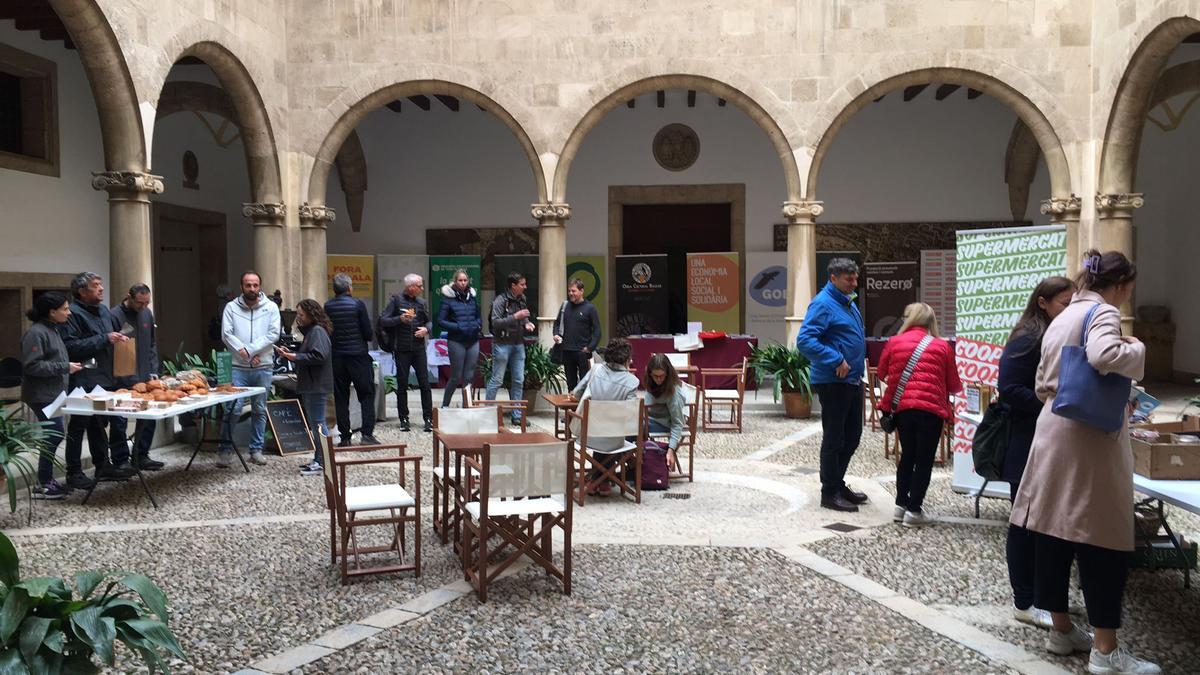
289, 427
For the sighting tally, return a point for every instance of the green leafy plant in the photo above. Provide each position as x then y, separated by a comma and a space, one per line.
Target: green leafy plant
785, 365
1193, 402
389, 384
186, 361
540, 371
45, 628
20, 446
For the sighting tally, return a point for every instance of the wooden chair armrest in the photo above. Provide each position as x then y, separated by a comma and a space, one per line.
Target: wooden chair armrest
415, 459
373, 448
572, 413
472, 462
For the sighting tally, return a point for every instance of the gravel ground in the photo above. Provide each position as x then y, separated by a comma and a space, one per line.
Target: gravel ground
962, 568
722, 610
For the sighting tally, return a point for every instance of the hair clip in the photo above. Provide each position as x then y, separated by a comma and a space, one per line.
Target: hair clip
1092, 264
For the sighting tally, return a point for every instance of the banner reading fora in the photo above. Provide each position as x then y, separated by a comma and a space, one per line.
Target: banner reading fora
361, 269
714, 291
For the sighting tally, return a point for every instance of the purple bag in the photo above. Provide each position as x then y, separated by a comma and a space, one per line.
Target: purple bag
654, 467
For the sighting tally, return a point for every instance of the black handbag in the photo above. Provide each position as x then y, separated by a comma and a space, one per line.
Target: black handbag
991, 442
556, 350
887, 421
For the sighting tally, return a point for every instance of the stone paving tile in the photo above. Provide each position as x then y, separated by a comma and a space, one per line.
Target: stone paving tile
340, 638
711, 610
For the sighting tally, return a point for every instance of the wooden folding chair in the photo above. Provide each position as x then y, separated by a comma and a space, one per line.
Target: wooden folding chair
610, 421
713, 398
471, 397
872, 390
524, 494
691, 397
347, 502
479, 420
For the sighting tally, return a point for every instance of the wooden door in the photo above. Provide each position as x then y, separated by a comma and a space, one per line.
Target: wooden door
189, 264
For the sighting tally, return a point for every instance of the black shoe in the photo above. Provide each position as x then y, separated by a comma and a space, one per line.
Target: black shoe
122, 470
404, 424
149, 464
837, 503
368, 439
853, 496
80, 481
428, 425
345, 442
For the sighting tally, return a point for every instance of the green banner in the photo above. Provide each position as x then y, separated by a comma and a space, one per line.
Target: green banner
441, 273
224, 367
590, 270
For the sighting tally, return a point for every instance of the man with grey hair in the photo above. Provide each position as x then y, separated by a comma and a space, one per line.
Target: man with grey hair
352, 363
834, 340
407, 316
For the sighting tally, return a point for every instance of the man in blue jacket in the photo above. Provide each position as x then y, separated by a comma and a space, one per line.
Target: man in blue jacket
352, 362
833, 339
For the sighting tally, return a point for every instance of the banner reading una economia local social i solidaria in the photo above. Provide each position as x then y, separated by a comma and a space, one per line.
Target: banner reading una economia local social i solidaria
996, 271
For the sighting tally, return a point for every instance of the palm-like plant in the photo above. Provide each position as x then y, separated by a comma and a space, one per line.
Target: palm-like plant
20, 444
540, 371
786, 366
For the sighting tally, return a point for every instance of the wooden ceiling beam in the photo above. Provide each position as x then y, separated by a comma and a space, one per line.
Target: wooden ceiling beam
421, 101
914, 91
662, 98
631, 103
449, 101
720, 103
691, 98
973, 94
394, 106
945, 90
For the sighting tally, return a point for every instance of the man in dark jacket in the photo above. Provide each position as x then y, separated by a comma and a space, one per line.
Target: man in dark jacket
407, 316
352, 363
510, 322
577, 329
137, 322
89, 335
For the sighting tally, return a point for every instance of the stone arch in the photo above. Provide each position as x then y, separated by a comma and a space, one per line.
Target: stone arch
856, 95
619, 94
1133, 100
122, 134
258, 137
354, 114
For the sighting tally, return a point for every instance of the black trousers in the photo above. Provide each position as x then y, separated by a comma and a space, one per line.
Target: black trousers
93, 426
1102, 574
576, 364
418, 361
1018, 551
118, 444
919, 432
356, 370
841, 426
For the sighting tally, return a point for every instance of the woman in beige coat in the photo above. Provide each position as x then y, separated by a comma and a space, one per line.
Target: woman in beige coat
1077, 492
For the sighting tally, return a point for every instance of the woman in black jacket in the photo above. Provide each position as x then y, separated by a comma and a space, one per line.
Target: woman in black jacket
459, 316
45, 368
314, 373
1018, 369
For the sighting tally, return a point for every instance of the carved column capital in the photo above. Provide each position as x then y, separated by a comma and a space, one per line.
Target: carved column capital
121, 183
317, 215
1119, 204
264, 213
550, 213
1062, 208
804, 210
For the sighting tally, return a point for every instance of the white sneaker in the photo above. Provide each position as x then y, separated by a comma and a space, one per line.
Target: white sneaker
1120, 661
916, 519
1078, 640
257, 458
1034, 617
312, 469
898, 514
225, 459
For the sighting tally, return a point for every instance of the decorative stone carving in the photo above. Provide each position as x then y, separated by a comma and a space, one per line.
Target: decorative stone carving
543, 212
1060, 207
676, 147
259, 211
1121, 201
319, 215
131, 181
800, 210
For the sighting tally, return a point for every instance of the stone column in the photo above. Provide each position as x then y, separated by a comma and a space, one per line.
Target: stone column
129, 257
314, 222
801, 261
1065, 211
1114, 219
269, 253
552, 264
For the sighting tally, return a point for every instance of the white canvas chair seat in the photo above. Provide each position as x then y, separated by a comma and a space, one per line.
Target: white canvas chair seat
731, 400
609, 420
625, 447
520, 507
722, 394
440, 472
377, 498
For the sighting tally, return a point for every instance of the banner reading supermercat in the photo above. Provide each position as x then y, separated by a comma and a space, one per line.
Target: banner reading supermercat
996, 272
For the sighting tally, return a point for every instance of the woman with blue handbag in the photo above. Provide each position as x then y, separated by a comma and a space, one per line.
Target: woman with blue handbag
1077, 491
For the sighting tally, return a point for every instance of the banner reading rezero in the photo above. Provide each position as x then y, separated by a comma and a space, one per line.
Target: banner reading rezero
996, 271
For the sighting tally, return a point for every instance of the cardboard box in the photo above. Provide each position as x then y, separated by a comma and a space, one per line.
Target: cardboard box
1163, 459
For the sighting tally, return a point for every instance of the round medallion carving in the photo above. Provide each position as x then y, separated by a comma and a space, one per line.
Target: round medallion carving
676, 147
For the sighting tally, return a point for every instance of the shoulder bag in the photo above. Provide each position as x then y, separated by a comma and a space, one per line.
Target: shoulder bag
556, 350
1086, 396
887, 421
990, 443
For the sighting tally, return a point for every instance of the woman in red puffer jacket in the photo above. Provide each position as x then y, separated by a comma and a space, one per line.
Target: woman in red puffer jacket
923, 408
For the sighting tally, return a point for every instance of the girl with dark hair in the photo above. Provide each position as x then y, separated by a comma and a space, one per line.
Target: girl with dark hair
314, 373
1018, 369
45, 369
665, 403
1077, 492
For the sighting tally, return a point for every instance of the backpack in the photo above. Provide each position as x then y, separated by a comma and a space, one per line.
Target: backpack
991, 442
654, 467
385, 337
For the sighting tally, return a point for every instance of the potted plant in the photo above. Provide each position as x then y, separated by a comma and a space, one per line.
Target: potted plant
540, 373
46, 628
20, 446
790, 371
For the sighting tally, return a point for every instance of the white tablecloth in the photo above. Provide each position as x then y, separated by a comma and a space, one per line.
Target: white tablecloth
1182, 493
166, 413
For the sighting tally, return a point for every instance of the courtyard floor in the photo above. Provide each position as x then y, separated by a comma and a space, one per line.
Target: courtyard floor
736, 572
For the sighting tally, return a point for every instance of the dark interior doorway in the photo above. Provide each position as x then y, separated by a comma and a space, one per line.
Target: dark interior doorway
189, 264
676, 229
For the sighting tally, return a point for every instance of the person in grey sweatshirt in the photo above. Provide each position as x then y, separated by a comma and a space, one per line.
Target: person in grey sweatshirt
45, 369
609, 382
249, 327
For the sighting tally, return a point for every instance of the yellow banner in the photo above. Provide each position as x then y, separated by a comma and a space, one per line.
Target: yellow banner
714, 291
361, 269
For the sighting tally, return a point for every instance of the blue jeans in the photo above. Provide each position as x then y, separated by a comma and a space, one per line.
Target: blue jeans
54, 436
247, 377
506, 357
314, 413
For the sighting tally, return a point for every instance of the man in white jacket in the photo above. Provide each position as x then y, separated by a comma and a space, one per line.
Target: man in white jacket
249, 328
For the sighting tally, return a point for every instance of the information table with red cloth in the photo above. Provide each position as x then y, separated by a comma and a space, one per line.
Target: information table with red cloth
720, 352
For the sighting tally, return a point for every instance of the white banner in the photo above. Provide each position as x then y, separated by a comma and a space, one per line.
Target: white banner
389, 276
766, 296
938, 287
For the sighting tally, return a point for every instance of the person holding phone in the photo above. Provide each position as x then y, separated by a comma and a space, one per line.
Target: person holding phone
510, 324
314, 373
45, 370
